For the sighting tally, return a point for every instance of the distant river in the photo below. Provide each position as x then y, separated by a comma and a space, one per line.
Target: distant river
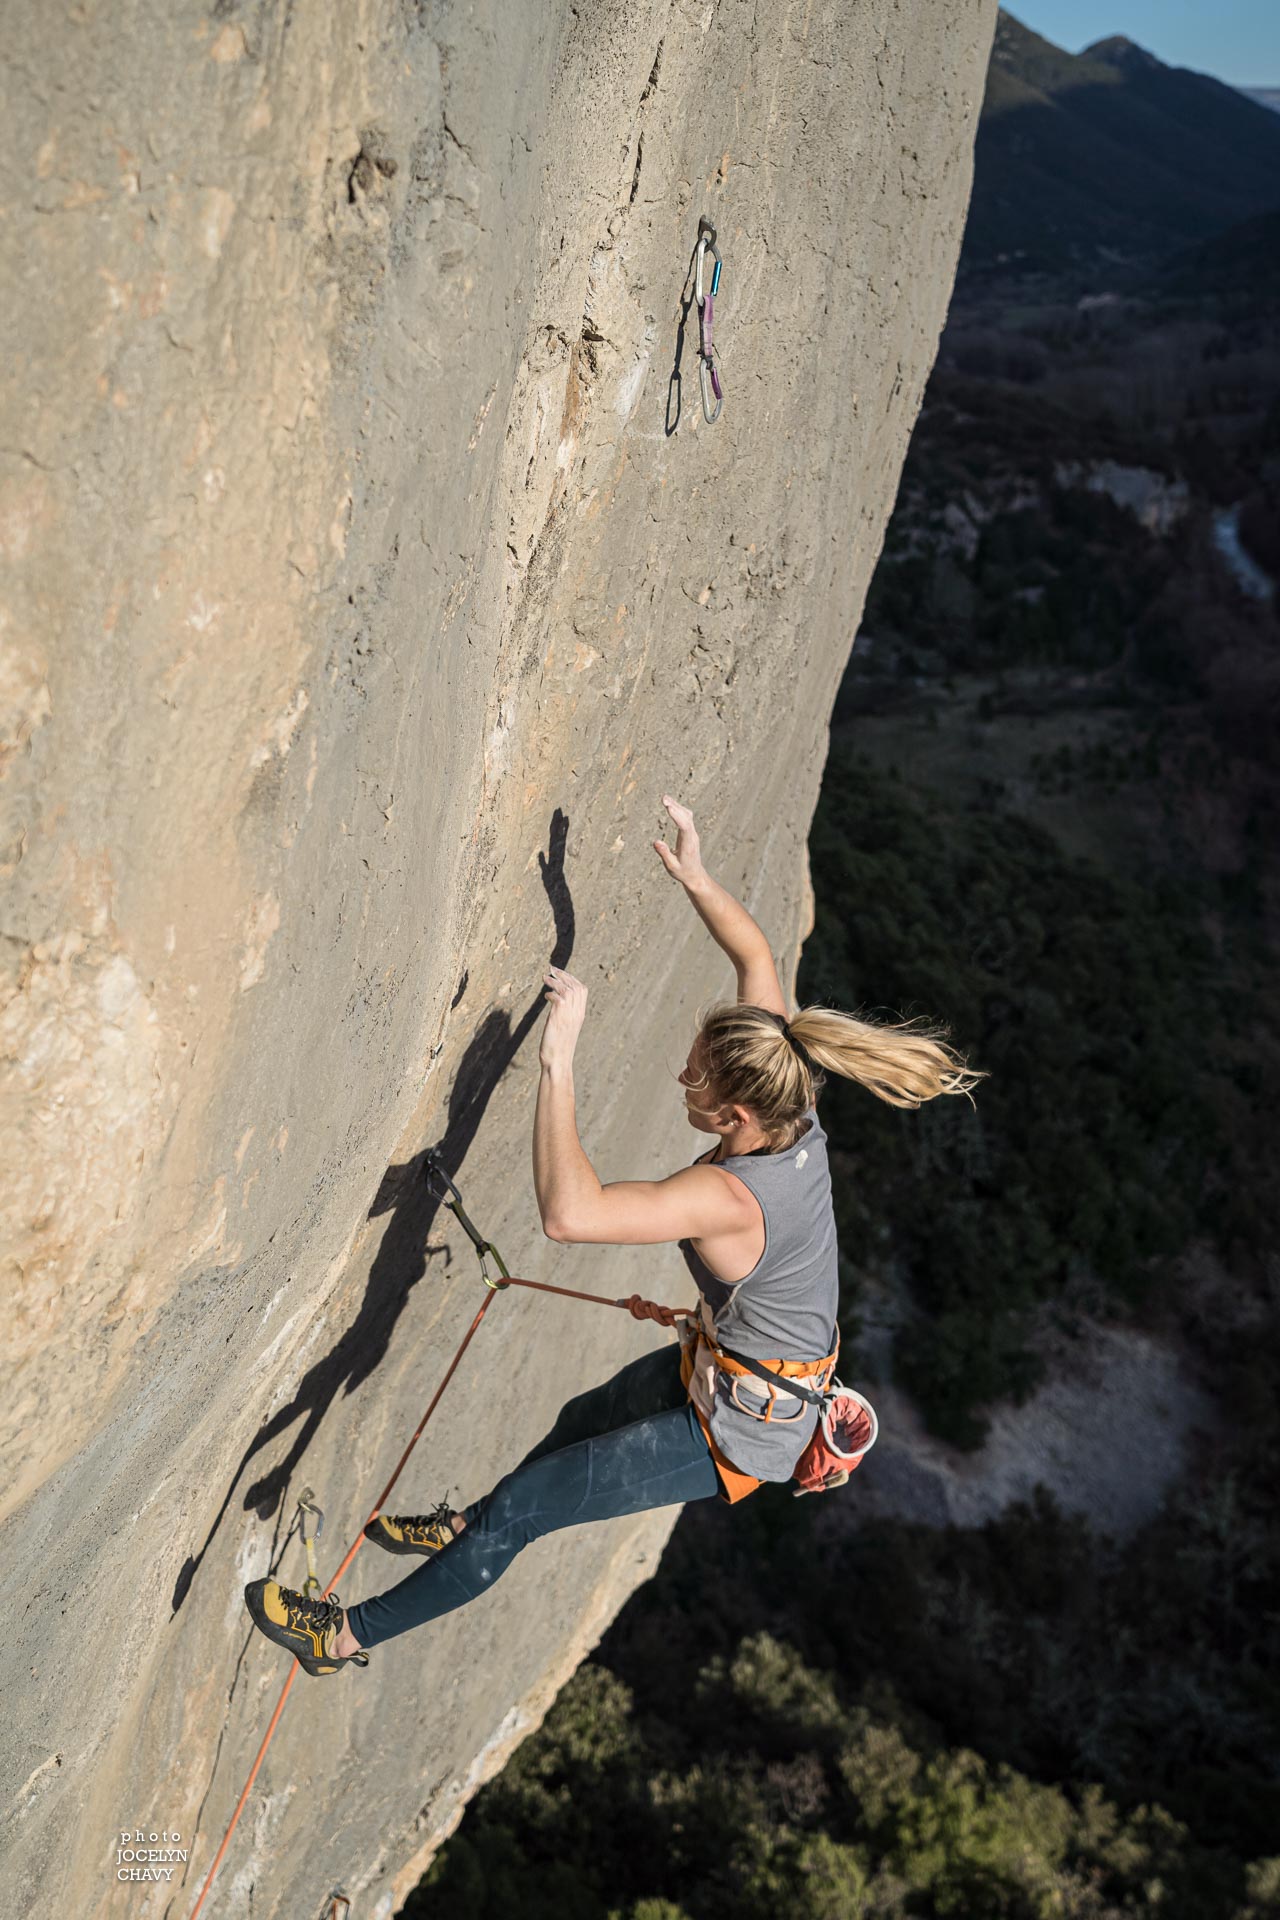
1226, 538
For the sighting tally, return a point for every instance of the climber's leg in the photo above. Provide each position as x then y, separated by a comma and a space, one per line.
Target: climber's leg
651, 1384
646, 1386
662, 1460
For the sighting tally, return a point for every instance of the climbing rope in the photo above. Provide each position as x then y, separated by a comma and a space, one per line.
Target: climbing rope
640, 1309
708, 371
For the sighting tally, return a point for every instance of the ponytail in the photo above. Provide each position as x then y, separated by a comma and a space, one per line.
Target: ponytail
904, 1062
776, 1067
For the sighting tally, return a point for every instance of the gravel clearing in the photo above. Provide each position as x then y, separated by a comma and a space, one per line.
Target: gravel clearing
1106, 1435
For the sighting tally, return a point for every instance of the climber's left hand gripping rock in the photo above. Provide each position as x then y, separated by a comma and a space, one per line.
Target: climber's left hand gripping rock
567, 998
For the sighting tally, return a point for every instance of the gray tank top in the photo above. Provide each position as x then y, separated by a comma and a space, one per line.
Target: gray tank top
785, 1308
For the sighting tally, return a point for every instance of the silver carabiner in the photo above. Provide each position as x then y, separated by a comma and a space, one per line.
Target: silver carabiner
709, 382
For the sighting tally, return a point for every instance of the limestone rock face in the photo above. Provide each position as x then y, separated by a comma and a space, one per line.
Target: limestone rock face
367, 573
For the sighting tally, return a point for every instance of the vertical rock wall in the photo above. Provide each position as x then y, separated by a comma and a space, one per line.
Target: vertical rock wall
366, 575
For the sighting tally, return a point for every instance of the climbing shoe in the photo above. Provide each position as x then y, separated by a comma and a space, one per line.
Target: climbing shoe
412, 1532
304, 1627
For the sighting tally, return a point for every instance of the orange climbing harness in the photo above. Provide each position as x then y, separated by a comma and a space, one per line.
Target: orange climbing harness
846, 1429
847, 1426
814, 1374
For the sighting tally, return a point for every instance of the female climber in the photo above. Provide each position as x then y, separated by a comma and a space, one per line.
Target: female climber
754, 1222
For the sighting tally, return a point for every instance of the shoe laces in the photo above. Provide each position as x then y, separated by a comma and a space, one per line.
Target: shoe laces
304, 1610
439, 1516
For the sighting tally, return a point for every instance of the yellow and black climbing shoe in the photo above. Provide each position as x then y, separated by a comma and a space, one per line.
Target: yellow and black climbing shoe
412, 1532
304, 1627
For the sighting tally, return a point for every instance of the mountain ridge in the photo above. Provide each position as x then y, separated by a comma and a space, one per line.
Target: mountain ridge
1109, 157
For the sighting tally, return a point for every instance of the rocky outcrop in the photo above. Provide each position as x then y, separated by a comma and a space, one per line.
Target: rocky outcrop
367, 574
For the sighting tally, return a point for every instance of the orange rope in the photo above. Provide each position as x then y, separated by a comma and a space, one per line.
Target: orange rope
654, 1312
638, 1308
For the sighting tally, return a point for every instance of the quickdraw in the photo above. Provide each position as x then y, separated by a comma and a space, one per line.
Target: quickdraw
708, 371
307, 1504
437, 1179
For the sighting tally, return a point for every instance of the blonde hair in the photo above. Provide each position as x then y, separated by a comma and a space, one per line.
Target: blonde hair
776, 1067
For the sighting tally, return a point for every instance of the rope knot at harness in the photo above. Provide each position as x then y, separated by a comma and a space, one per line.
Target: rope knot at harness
641, 1309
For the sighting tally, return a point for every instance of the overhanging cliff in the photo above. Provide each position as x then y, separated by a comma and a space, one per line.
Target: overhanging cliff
367, 577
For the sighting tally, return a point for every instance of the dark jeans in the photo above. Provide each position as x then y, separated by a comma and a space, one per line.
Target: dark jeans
628, 1445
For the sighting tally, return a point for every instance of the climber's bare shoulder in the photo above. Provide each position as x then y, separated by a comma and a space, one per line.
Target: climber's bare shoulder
697, 1203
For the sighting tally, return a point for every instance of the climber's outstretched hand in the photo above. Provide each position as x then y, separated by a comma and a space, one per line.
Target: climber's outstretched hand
565, 1014
685, 862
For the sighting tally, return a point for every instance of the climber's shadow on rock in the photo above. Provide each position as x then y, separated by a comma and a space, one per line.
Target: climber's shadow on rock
675, 385
403, 1253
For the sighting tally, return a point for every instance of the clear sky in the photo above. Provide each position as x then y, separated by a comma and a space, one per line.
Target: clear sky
1238, 40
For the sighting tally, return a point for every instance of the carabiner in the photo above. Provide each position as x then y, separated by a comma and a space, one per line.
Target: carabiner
708, 374
709, 378
434, 1174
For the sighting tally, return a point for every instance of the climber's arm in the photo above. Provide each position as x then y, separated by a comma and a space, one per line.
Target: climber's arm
693, 1204
726, 919
731, 927
758, 983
